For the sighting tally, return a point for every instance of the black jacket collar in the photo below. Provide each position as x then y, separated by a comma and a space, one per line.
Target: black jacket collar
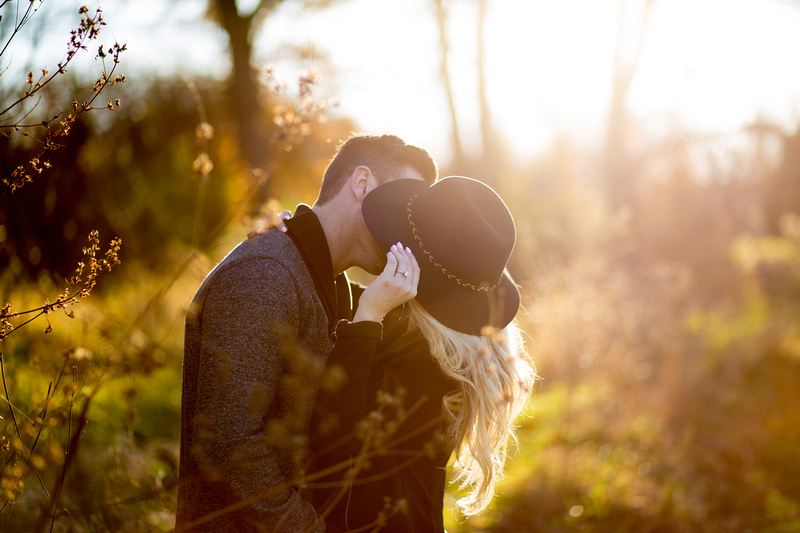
307, 233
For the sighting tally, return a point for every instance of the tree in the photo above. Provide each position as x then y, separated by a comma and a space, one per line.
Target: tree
487, 133
619, 176
243, 81
458, 158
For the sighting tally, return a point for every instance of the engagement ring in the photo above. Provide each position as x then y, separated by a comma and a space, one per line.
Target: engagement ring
403, 272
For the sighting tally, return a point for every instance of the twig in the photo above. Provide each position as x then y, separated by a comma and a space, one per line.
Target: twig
19, 26
29, 462
49, 512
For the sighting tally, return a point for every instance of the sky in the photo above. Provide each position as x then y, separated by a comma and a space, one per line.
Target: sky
707, 66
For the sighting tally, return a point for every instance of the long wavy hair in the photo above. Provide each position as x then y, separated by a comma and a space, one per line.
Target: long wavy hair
495, 376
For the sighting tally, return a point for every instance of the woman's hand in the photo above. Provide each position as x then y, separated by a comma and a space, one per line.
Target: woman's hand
394, 286
270, 221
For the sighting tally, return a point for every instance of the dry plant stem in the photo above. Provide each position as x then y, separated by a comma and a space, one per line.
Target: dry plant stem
361, 461
406, 435
201, 110
49, 512
44, 310
38, 435
87, 31
66, 299
374, 526
62, 302
365, 453
308, 480
21, 175
28, 462
41, 426
71, 405
72, 50
21, 23
145, 496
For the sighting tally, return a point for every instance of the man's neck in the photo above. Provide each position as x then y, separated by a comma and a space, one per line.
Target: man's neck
335, 233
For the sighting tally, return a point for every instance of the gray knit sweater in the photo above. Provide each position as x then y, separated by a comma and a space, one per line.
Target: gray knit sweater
256, 342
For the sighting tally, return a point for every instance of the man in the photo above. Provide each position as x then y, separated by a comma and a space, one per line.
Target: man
258, 333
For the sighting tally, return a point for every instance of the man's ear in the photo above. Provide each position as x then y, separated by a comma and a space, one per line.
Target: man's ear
362, 182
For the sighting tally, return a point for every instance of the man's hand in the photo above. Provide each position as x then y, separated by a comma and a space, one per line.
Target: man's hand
270, 221
394, 286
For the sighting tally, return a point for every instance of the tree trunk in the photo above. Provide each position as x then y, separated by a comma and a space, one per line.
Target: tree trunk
458, 150
243, 82
619, 178
489, 167
487, 136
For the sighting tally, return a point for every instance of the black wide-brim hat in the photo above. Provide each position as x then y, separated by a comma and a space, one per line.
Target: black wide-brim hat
462, 235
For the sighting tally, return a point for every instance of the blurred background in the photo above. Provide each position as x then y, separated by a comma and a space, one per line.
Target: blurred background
649, 151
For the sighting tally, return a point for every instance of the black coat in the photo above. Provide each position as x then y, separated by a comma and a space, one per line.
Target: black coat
394, 443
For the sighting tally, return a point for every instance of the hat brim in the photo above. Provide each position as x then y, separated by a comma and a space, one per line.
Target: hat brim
459, 308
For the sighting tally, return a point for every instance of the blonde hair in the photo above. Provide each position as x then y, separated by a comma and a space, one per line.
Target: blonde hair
495, 376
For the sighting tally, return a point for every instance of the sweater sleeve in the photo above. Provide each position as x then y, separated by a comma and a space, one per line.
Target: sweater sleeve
243, 427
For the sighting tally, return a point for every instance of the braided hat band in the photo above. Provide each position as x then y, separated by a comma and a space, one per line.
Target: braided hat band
480, 288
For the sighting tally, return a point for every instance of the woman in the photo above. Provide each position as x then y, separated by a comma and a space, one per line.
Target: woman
451, 374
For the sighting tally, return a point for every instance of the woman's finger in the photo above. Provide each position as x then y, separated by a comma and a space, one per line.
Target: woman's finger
413, 271
280, 222
402, 261
276, 220
271, 220
408, 267
413, 268
391, 264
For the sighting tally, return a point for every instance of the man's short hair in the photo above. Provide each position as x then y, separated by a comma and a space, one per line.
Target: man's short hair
385, 155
